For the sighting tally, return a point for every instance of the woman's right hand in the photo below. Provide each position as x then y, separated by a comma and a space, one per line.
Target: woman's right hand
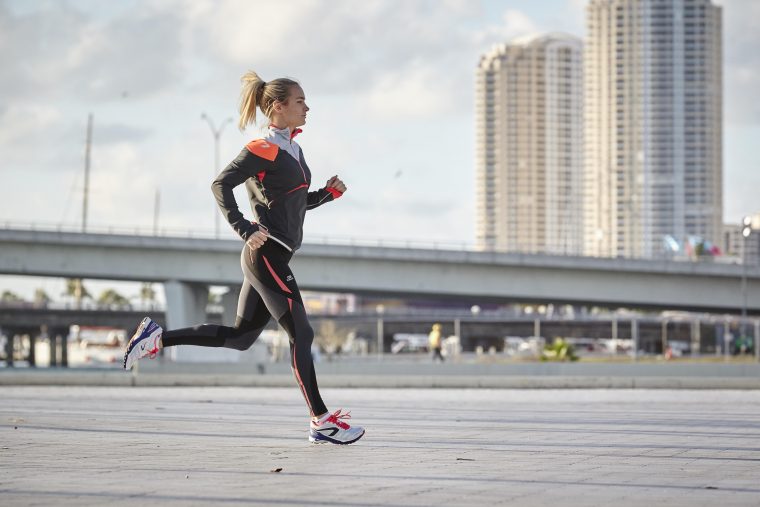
257, 239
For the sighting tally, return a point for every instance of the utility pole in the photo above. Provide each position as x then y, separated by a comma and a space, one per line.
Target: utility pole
88, 144
156, 206
78, 288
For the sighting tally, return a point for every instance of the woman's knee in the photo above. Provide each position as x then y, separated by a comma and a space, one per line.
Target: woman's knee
243, 341
239, 343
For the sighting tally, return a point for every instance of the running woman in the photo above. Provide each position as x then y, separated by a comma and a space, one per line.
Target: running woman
275, 174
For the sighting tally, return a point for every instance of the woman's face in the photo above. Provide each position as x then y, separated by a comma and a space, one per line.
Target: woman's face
293, 112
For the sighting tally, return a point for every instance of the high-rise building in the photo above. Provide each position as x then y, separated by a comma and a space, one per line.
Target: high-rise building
529, 128
653, 114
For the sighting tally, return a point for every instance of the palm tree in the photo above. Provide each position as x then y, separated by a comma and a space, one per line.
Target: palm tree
111, 297
147, 294
10, 297
75, 289
214, 298
41, 297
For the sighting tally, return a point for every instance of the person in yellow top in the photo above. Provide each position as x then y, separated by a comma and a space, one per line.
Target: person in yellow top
434, 342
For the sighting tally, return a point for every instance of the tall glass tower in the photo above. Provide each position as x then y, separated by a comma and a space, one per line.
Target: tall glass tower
529, 148
653, 121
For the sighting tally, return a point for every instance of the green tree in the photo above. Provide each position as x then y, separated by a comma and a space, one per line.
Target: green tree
111, 297
10, 297
147, 293
41, 297
76, 290
331, 336
214, 298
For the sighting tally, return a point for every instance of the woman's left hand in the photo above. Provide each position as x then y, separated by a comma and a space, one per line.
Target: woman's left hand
336, 183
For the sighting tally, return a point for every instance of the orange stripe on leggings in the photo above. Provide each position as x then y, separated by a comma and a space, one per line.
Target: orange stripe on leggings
300, 382
274, 275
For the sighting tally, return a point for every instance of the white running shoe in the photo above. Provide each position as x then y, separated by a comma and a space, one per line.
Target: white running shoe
143, 343
332, 429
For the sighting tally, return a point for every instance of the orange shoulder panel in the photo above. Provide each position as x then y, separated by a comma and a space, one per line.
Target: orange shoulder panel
263, 149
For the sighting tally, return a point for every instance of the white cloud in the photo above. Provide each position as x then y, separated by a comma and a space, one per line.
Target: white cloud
417, 92
19, 121
351, 47
59, 51
118, 185
514, 23
394, 213
741, 61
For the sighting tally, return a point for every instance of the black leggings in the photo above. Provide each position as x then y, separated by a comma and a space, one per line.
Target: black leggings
269, 290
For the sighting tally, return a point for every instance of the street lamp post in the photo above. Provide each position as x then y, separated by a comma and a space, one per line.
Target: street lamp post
217, 134
746, 231
475, 311
380, 309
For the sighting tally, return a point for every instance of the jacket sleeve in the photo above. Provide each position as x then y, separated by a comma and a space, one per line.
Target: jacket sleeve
245, 166
321, 196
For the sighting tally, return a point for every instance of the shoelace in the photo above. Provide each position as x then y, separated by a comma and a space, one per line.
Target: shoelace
336, 417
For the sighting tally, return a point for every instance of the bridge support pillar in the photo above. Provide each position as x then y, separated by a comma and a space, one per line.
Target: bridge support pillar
9, 347
185, 304
635, 339
185, 307
696, 338
229, 306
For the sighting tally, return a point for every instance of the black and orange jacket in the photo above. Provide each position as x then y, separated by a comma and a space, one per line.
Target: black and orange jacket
277, 179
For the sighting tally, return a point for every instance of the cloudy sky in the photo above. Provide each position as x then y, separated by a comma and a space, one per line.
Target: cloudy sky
389, 83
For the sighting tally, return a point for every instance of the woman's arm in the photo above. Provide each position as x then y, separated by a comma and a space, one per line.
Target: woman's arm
239, 170
330, 192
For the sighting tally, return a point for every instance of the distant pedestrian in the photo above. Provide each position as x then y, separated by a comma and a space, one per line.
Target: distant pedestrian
434, 342
275, 174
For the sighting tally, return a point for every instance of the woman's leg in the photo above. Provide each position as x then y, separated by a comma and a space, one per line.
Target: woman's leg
252, 318
267, 270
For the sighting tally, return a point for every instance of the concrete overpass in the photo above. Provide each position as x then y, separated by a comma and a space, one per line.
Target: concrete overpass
472, 275
187, 266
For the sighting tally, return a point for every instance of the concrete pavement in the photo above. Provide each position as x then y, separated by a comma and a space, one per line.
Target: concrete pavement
222, 446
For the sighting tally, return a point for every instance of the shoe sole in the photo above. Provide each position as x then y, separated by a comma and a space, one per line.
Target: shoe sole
135, 335
327, 440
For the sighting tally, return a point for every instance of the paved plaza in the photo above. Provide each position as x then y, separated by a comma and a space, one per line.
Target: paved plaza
248, 446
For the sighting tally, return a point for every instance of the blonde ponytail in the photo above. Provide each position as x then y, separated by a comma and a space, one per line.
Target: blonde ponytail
258, 93
250, 95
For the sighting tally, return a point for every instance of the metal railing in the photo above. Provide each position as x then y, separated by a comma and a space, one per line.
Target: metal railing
203, 233
314, 239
